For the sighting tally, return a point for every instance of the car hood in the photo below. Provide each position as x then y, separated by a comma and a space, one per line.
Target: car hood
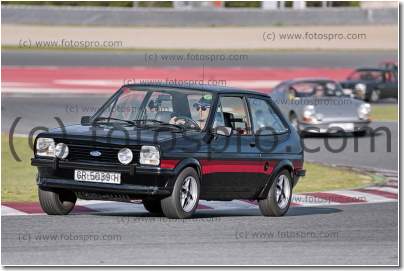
335, 108
109, 134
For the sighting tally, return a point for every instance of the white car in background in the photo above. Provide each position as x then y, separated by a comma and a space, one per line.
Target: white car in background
315, 105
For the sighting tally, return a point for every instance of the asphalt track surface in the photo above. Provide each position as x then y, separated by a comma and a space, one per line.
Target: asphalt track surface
344, 235
276, 59
41, 110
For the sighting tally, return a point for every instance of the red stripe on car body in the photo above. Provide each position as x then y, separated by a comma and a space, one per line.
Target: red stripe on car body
230, 166
168, 164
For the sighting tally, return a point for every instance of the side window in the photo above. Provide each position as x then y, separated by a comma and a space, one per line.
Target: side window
264, 118
232, 113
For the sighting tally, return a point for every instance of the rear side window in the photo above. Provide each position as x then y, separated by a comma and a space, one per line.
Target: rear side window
232, 113
265, 120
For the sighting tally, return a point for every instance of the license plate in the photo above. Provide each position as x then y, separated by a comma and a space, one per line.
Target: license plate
97, 176
343, 126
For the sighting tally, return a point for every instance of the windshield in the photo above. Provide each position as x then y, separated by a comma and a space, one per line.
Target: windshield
158, 107
366, 75
315, 89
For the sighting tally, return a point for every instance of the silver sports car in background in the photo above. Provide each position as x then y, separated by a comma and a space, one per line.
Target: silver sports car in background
321, 106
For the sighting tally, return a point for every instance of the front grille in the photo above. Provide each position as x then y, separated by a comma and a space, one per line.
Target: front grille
79, 151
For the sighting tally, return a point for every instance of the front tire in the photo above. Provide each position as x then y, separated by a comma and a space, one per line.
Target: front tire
185, 196
56, 202
279, 196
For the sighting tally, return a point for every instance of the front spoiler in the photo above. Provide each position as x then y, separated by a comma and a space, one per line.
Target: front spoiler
129, 189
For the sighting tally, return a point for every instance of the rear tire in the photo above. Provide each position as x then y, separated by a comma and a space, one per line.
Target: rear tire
56, 202
279, 196
185, 196
153, 206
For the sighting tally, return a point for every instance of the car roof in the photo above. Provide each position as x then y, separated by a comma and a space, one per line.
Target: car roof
201, 87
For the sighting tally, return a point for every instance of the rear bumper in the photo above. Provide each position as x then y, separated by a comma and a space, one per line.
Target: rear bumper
332, 127
297, 174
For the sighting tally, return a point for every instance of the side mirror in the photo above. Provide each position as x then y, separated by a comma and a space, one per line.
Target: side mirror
85, 120
223, 130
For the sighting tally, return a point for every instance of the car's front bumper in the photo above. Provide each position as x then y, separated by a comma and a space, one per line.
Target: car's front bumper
333, 127
128, 189
136, 181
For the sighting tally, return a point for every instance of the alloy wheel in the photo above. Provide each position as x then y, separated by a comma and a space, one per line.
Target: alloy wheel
282, 191
189, 193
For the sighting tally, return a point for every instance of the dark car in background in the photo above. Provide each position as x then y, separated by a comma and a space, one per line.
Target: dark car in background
317, 105
169, 146
373, 84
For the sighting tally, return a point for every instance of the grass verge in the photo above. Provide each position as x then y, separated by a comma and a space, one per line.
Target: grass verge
384, 113
325, 178
18, 178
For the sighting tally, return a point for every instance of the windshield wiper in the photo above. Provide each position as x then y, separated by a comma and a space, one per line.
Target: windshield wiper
162, 123
100, 119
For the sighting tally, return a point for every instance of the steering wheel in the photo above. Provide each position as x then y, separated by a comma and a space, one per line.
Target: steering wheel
187, 122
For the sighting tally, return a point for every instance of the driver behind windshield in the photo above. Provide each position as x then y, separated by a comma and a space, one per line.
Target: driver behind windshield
202, 107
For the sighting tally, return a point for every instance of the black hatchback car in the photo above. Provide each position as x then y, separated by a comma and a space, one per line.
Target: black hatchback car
170, 146
373, 84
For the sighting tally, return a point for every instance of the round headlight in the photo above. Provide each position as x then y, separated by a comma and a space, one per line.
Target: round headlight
360, 87
309, 111
61, 150
125, 156
45, 147
360, 90
364, 111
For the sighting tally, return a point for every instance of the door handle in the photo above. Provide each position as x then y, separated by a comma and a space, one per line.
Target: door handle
252, 144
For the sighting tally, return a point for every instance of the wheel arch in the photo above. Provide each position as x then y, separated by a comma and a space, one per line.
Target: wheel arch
187, 162
282, 165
